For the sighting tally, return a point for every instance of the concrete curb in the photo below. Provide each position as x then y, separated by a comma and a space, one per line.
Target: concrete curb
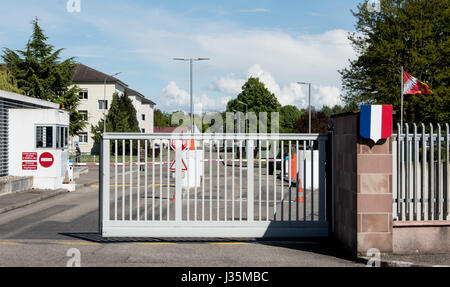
32, 201
395, 263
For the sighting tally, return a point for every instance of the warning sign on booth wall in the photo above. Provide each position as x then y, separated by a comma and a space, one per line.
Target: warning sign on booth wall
46, 159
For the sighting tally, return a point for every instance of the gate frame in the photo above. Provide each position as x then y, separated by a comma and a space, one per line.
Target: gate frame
249, 228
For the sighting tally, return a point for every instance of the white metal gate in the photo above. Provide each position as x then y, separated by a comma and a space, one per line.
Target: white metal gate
235, 186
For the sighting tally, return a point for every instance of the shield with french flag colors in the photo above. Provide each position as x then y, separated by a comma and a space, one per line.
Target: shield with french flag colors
375, 122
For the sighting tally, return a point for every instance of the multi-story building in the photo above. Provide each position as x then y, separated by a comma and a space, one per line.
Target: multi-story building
96, 94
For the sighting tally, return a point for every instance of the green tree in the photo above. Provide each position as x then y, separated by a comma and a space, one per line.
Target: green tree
40, 74
258, 98
161, 119
8, 82
319, 122
413, 34
288, 116
121, 118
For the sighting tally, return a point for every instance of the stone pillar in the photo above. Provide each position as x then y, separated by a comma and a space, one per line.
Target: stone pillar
362, 190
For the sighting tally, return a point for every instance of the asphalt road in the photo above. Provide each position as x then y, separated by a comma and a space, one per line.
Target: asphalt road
42, 234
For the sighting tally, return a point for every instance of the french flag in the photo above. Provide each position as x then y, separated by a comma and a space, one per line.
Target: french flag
376, 122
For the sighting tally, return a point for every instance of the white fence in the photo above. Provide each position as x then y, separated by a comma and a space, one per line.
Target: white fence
235, 185
421, 186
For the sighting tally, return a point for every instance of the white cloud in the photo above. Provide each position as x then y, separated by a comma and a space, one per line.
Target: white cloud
173, 98
256, 10
290, 94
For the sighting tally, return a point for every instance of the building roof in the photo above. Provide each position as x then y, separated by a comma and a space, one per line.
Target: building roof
132, 92
85, 74
9, 96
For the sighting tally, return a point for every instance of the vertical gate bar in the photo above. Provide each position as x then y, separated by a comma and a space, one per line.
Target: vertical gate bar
416, 180
146, 179
105, 175
218, 179
188, 209
101, 181
196, 181
322, 157
399, 172
440, 196
250, 187
447, 171
289, 180
203, 180
161, 153
274, 180
260, 179
408, 174
210, 179
267, 180
394, 178
232, 181
297, 183
115, 180
312, 179
178, 181
304, 181
123, 179
153, 180
168, 183
240, 180
225, 188
138, 179
131, 180
432, 184
282, 180
425, 206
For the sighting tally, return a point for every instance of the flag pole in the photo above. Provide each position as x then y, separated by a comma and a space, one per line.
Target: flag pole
401, 115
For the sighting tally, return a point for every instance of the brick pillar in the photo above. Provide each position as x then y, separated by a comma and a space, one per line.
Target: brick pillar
362, 189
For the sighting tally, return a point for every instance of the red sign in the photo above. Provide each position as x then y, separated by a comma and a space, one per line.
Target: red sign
29, 156
184, 144
29, 165
46, 159
172, 166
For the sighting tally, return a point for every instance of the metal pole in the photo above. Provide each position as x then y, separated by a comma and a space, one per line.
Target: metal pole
192, 99
309, 107
401, 112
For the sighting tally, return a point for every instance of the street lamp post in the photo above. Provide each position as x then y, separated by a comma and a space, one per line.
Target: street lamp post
191, 64
309, 103
104, 100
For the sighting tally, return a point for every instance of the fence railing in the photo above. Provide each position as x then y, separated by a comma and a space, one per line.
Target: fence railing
420, 184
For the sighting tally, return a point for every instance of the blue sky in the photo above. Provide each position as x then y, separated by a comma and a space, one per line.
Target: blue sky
281, 42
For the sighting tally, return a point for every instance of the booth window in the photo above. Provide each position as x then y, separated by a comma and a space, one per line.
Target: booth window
61, 137
44, 137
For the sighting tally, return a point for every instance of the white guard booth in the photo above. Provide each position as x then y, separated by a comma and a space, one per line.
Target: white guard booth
38, 147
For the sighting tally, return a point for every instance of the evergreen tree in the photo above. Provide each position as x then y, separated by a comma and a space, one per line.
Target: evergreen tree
412, 34
41, 75
8, 82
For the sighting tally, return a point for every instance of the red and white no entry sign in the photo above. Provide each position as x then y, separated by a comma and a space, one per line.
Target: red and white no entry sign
184, 144
46, 159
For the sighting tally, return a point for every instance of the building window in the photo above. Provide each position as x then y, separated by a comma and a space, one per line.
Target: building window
61, 137
44, 137
84, 115
143, 117
143, 131
83, 138
103, 104
83, 95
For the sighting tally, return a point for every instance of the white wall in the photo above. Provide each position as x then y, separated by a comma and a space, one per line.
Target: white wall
96, 92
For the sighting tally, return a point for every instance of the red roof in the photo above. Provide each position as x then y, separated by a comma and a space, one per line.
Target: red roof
169, 130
